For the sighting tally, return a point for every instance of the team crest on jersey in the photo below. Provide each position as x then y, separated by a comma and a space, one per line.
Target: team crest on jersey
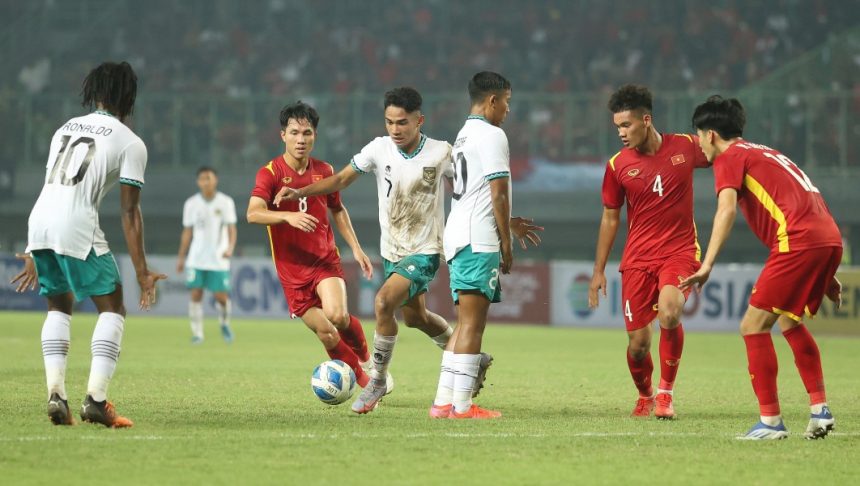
287, 180
633, 172
316, 177
429, 174
678, 159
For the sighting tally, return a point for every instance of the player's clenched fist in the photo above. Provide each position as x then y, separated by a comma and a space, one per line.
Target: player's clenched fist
285, 194
303, 221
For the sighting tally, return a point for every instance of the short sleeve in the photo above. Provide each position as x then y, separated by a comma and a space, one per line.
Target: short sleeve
264, 185
729, 171
187, 216
365, 161
496, 159
448, 164
699, 159
613, 191
333, 200
133, 164
230, 210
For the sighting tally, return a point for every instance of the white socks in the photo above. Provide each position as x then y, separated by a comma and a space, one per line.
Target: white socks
445, 390
465, 368
442, 339
195, 313
107, 337
56, 335
771, 421
383, 347
224, 311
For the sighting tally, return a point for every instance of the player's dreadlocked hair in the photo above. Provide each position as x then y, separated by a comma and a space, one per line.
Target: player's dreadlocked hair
404, 97
486, 83
630, 97
299, 111
724, 116
114, 85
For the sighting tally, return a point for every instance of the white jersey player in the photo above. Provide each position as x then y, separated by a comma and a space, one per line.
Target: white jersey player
208, 238
68, 254
409, 169
478, 241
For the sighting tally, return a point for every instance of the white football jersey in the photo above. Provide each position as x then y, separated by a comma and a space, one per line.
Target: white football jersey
411, 198
480, 155
88, 155
209, 221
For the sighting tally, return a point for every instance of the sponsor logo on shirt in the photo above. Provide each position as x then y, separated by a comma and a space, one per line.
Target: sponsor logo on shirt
633, 172
429, 174
678, 159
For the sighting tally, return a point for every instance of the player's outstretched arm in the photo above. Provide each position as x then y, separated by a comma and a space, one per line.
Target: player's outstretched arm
184, 243
609, 223
335, 183
525, 230
341, 219
502, 213
259, 213
724, 219
132, 227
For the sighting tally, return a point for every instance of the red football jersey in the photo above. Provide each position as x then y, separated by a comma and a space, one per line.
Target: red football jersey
659, 193
295, 252
781, 205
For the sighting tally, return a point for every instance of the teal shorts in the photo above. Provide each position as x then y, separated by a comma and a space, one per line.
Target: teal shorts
61, 274
418, 269
211, 280
475, 271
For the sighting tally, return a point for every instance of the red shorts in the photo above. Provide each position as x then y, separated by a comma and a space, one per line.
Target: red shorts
640, 288
793, 284
302, 296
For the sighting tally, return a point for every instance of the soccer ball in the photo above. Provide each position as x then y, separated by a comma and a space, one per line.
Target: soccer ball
333, 382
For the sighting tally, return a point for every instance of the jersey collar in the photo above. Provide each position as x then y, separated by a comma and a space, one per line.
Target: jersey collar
417, 149
102, 112
477, 117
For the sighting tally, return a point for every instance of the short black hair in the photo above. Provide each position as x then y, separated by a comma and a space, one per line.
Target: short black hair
114, 85
299, 111
404, 97
486, 83
630, 97
724, 116
206, 168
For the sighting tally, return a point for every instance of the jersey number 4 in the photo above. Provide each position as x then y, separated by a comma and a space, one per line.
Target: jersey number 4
461, 176
658, 186
64, 159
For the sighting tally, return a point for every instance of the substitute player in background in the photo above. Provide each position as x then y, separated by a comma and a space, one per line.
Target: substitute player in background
208, 238
787, 213
68, 253
477, 241
409, 168
653, 174
303, 249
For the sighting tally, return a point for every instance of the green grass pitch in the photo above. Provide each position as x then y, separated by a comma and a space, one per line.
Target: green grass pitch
245, 414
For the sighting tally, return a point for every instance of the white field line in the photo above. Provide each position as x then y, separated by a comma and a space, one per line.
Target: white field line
119, 436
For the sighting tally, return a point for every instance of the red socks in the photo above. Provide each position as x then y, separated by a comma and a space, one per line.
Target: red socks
808, 361
354, 337
641, 372
347, 355
763, 368
671, 346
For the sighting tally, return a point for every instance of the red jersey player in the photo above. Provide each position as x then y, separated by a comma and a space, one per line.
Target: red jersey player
653, 173
787, 213
302, 242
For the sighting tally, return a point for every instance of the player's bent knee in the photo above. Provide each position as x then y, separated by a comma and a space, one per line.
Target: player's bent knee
340, 318
384, 305
670, 318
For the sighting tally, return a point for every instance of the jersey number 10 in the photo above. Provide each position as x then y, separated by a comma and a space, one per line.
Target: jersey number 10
64, 159
461, 175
